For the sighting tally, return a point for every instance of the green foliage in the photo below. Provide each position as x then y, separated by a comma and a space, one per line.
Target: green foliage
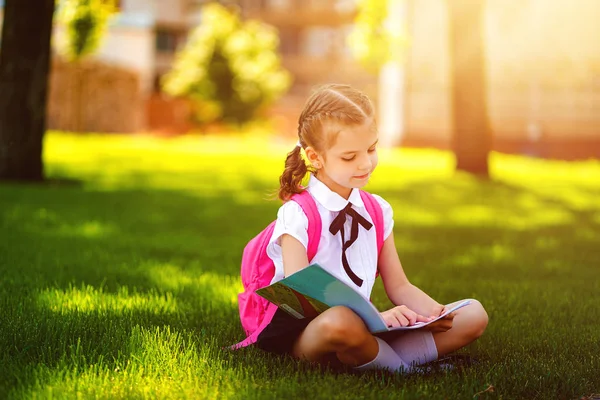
229, 67
372, 41
85, 23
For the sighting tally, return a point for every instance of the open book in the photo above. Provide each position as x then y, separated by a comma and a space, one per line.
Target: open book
312, 290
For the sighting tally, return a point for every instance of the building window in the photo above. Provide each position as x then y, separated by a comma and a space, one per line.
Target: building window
168, 41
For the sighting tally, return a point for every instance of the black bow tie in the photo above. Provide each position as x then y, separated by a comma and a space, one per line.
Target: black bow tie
337, 225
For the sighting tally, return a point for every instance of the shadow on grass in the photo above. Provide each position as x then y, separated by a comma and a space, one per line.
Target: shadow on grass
63, 240
508, 246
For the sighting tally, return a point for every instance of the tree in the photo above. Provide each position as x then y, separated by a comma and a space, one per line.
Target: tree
85, 23
373, 41
229, 68
471, 132
24, 67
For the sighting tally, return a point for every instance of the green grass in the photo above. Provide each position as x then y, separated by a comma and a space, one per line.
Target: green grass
120, 275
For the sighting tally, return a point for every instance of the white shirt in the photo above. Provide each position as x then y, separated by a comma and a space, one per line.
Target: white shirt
362, 255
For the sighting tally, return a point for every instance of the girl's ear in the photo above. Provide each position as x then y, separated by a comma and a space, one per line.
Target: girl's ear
313, 157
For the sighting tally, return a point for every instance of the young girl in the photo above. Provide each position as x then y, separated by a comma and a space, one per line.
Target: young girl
338, 133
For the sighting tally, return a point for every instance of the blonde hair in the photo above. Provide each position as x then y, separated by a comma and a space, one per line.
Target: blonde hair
328, 106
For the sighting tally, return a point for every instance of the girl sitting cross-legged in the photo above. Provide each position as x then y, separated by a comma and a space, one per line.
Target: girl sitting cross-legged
338, 133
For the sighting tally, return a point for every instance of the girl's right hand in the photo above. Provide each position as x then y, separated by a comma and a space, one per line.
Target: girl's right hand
402, 316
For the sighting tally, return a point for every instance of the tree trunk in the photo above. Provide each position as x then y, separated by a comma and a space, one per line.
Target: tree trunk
471, 132
24, 68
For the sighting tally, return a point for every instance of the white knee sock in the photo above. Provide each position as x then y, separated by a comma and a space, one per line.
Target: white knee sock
386, 359
415, 347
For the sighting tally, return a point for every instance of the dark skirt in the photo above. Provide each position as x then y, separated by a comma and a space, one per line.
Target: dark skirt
279, 336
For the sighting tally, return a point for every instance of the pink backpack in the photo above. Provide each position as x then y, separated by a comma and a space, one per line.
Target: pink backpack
258, 269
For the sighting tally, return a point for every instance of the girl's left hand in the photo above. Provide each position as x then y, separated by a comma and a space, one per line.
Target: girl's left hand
402, 316
441, 325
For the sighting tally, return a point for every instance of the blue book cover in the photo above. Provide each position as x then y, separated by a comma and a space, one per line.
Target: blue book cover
312, 290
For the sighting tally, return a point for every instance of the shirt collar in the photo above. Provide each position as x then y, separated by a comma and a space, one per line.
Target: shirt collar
330, 199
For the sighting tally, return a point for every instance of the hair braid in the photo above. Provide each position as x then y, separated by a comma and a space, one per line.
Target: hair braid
291, 178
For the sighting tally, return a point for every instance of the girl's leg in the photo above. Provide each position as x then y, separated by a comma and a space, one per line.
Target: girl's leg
468, 325
414, 347
339, 331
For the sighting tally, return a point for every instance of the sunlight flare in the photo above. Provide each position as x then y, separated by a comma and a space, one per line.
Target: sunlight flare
213, 286
88, 299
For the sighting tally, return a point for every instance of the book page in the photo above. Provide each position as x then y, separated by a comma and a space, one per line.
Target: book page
422, 324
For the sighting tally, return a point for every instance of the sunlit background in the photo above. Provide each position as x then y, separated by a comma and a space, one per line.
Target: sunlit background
542, 69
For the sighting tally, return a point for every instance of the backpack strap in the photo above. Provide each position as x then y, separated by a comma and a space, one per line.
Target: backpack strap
308, 205
374, 210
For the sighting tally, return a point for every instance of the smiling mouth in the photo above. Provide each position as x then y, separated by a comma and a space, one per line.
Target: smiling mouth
362, 176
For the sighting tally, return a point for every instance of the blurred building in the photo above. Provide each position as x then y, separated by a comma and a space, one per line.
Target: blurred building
145, 37
312, 37
313, 45
147, 34
542, 63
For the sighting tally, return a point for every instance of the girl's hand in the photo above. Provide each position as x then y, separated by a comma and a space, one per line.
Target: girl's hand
441, 325
402, 316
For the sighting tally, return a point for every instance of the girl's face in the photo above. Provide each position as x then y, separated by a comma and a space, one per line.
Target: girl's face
350, 161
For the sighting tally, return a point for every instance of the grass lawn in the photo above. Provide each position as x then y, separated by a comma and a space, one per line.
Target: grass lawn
119, 276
